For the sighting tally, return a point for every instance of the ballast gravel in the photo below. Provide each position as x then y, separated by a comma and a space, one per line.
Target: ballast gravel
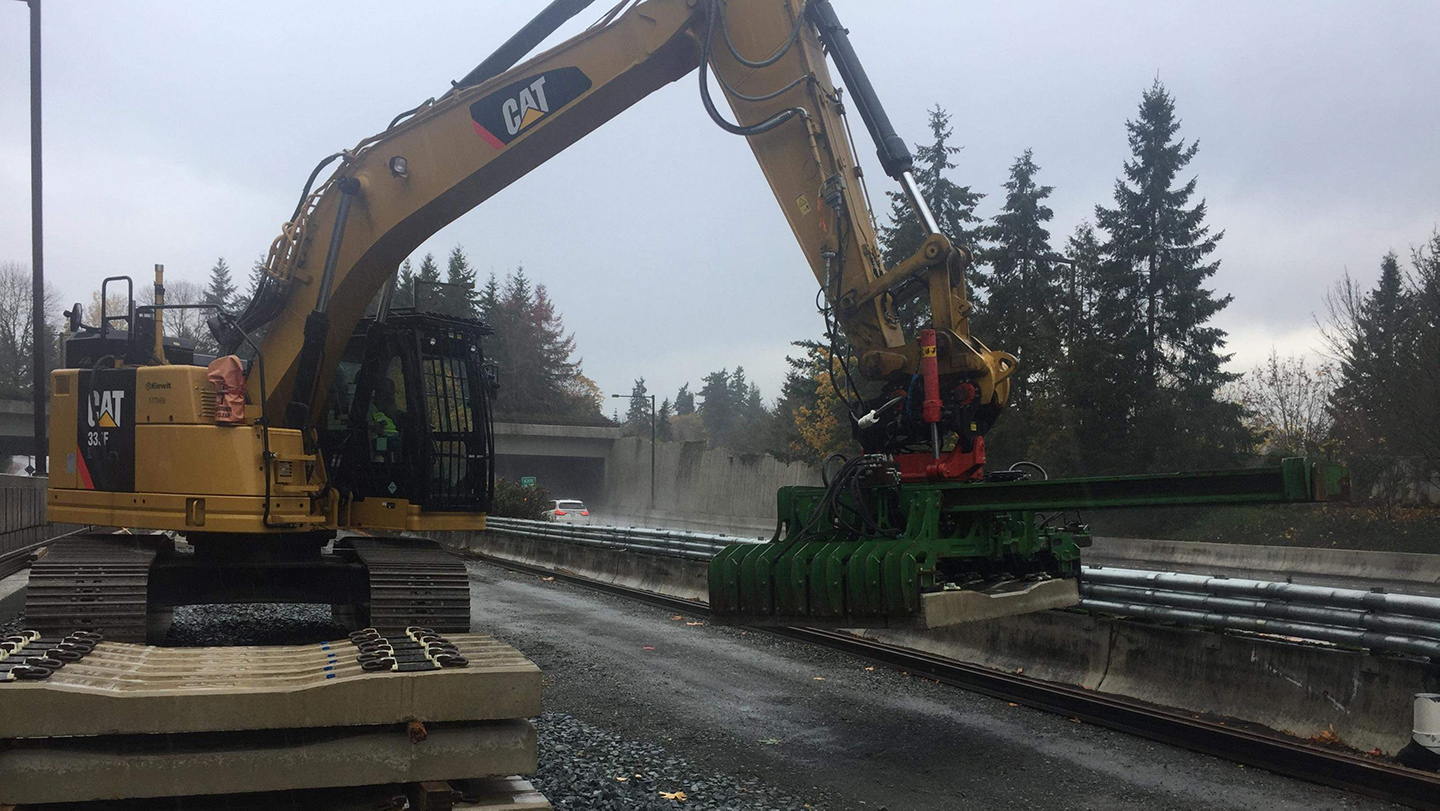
585, 767
254, 624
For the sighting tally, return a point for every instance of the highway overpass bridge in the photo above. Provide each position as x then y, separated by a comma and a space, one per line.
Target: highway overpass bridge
568, 460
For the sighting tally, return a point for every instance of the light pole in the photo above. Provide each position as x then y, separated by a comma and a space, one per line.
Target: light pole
652, 442
37, 251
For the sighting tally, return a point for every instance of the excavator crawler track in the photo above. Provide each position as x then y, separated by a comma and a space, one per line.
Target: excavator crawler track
414, 581
92, 582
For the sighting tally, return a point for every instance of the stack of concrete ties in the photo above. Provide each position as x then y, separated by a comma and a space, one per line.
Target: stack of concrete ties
127, 721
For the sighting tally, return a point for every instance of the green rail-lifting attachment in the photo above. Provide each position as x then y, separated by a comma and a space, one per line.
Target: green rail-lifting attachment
870, 555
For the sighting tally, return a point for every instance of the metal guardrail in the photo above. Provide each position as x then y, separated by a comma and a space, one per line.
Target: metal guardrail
1377, 620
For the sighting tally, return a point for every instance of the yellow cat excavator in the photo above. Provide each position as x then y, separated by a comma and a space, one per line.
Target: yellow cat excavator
319, 419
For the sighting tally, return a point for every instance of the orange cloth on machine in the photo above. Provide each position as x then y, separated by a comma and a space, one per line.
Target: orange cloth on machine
228, 377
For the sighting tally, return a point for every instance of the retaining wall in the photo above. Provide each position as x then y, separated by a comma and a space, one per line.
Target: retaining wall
22, 518
699, 488
1296, 688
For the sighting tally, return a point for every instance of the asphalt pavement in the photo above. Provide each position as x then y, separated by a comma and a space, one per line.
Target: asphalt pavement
755, 715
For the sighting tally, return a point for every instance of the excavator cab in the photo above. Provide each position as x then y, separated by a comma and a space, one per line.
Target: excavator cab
408, 414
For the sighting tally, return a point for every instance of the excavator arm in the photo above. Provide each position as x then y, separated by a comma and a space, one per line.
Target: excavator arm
395, 189
914, 531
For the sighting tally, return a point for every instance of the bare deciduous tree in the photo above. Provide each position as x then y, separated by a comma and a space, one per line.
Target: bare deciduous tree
1286, 403
15, 328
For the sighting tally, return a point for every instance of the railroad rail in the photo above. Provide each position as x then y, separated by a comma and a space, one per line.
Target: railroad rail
1286, 756
1374, 620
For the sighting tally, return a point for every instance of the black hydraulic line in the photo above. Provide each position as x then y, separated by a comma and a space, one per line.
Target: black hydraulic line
707, 50
524, 41
310, 181
894, 155
317, 325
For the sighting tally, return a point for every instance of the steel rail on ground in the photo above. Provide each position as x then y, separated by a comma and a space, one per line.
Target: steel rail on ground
1290, 757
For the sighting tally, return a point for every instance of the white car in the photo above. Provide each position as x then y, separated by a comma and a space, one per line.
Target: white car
568, 511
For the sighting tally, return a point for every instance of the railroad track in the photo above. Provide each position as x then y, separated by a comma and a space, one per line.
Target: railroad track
1290, 757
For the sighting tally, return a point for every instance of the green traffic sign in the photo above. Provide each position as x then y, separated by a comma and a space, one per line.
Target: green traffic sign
527, 481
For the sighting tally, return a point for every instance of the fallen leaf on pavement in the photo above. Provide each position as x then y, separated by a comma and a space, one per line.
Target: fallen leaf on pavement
819, 678
547, 579
869, 669
1012, 704
648, 647
621, 779
673, 795
676, 618
693, 624
770, 741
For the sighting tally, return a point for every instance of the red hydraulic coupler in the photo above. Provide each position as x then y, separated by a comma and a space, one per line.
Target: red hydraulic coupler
930, 372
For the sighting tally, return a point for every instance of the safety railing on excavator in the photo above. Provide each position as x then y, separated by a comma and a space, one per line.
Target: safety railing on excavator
1374, 619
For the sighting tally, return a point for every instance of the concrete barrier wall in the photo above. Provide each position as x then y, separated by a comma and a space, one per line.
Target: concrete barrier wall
1300, 689
22, 519
699, 488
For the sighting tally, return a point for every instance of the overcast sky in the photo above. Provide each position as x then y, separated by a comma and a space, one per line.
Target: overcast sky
176, 132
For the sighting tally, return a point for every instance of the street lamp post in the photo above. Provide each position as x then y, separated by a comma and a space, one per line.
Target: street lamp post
37, 251
652, 443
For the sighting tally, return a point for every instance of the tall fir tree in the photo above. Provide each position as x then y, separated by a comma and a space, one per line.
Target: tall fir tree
257, 272
1157, 248
1374, 361
717, 411
684, 401
662, 419
1163, 243
426, 297
539, 377
462, 299
220, 290
1024, 288
405, 285
952, 204
637, 416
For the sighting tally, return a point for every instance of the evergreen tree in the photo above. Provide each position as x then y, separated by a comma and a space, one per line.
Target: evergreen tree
1157, 247
718, 410
662, 419
1163, 246
1025, 291
952, 204
1374, 361
684, 401
405, 286
539, 379
463, 299
637, 417
426, 297
257, 272
221, 289
1424, 390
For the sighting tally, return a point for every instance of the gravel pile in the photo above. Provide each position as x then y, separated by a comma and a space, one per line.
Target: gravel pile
258, 624
584, 767
12, 625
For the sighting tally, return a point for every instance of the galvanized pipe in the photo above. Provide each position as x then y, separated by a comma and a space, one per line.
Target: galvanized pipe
1412, 604
1303, 630
1315, 614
